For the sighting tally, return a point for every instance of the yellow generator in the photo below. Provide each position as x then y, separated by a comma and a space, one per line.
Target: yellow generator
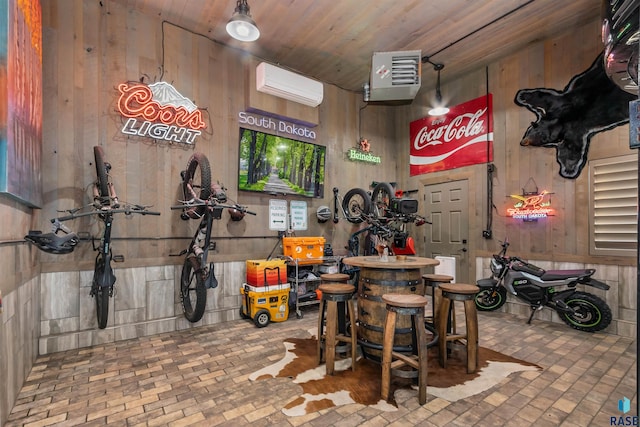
264, 304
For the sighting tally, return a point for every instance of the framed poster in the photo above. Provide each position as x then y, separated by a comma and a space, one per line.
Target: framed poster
21, 102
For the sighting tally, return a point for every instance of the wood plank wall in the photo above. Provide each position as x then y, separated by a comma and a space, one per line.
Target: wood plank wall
91, 48
551, 64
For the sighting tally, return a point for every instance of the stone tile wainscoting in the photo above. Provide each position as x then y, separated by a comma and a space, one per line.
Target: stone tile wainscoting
621, 297
18, 341
146, 302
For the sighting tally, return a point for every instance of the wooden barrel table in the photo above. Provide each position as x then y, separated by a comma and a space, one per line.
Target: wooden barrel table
385, 277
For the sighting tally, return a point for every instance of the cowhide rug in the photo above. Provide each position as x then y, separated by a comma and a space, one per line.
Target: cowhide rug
320, 391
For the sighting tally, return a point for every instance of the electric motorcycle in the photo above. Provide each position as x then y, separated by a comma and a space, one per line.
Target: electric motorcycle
539, 288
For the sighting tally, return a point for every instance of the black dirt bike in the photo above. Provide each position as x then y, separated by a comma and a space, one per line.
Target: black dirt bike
539, 288
354, 204
105, 206
204, 201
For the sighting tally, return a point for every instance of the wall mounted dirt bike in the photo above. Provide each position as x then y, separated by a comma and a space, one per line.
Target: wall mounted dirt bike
355, 203
540, 288
105, 206
390, 207
202, 201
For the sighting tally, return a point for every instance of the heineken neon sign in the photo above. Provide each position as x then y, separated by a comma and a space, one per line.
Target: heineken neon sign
361, 153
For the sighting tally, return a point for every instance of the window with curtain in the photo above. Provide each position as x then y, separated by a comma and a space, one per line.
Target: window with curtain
613, 222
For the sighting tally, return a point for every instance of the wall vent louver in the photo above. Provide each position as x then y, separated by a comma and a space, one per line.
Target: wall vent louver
395, 75
288, 85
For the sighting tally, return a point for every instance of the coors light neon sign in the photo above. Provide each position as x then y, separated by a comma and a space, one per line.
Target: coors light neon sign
462, 137
160, 112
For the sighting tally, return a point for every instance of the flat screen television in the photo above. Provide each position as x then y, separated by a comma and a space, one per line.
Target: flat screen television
275, 164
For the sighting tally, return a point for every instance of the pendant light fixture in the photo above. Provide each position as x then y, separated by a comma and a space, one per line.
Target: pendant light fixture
439, 109
241, 26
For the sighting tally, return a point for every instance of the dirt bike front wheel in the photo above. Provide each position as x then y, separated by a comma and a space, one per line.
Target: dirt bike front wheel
491, 299
590, 313
193, 292
356, 202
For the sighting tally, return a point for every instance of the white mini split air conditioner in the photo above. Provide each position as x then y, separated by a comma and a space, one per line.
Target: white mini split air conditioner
285, 84
395, 75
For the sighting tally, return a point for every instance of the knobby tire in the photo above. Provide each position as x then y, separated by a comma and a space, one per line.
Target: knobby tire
102, 305
101, 293
355, 203
381, 199
193, 292
593, 314
198, 175
486, 300
101, 173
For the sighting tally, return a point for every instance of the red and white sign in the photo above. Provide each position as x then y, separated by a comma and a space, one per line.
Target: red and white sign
462, 137
159, 111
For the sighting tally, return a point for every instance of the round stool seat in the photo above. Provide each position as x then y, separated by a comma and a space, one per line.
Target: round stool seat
459, 288
441, 278
336, 288
334, 277
405, 300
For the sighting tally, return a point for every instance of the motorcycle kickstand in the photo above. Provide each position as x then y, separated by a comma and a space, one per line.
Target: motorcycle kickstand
533, 311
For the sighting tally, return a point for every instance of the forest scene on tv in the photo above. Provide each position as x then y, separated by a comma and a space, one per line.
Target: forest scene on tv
278, 165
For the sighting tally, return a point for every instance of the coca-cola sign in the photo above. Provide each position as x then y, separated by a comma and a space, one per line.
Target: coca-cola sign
462, 137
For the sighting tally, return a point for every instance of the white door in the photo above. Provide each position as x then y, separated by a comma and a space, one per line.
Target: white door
448, 209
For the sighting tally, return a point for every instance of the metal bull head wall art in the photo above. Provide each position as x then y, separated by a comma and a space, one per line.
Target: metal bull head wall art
568, 119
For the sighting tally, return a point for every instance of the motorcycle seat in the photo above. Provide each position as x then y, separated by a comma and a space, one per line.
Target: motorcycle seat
566, 274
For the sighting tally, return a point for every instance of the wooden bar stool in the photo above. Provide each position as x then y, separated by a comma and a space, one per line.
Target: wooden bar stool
452, 292
334, 298
433, 281
334, 278
337, 278
408, 305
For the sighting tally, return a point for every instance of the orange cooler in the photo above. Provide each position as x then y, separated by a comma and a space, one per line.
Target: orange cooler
307, 250
261, 272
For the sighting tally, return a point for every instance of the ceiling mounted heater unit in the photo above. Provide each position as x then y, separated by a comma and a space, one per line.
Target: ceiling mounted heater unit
285, 84
395, 75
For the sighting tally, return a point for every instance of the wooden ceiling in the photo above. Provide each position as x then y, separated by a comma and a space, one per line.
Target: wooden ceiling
333, 40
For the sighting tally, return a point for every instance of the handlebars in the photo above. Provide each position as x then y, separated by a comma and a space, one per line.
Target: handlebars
384, 223
127, 210
211, 203
504, 245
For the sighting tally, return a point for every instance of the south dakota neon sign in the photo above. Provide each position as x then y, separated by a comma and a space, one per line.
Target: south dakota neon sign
531, 207
160, 112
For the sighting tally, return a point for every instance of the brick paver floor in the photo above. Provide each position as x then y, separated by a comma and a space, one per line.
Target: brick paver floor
199, 377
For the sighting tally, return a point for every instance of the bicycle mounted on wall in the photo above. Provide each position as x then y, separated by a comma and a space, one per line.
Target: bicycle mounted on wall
204, 201
105, 206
